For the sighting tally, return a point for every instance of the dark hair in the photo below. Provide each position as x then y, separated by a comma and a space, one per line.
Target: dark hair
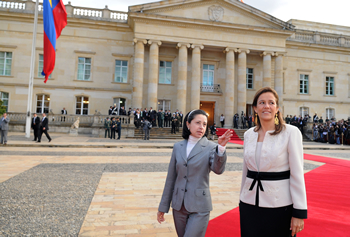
281, 125
188, 118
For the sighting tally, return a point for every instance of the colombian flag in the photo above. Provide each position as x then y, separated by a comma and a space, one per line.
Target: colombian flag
55, 19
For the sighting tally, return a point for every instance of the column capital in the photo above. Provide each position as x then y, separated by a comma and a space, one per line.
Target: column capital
200, 46
266, 53
228, 49
144, 41
280, 54
158, 42
240, 50
180, 44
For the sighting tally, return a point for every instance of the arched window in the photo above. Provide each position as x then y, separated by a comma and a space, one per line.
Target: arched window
82, 105
42, 103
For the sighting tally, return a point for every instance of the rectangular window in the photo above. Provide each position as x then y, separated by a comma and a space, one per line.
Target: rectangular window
164, 105
82, 105
304, 84
4, 97
250, 73
42, 104
208, 75
121, 71
84, 68
304, 111
165, 72
5, 63
329, 113
329, 85
41, 66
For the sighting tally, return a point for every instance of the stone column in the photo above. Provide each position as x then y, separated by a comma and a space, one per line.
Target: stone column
182, 77
196, 76
267, 69
153, 74
138, 73
229, 87
242, 83
279, 77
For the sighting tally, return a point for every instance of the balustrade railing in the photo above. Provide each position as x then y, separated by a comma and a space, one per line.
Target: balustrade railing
72, 11
320, 38
13, 4
69, 119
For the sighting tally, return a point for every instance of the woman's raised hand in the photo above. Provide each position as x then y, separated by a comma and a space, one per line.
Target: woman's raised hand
160, 217
223, 140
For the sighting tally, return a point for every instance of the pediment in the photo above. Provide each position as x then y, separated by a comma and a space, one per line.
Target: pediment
226, 11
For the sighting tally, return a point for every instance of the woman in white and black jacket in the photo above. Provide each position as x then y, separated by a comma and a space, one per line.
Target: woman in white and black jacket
273, 195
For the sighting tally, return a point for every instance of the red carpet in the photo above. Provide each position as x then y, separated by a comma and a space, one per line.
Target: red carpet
234, 138
328, 194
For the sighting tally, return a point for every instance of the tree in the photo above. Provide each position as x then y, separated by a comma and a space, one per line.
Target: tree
2, 108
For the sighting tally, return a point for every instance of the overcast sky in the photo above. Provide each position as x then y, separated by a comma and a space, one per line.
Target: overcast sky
325, 11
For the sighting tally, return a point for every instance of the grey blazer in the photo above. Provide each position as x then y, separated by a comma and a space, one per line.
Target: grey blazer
4, 125
188, 178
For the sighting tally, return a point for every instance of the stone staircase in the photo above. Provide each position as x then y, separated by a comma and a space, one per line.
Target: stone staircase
240, 133
158, 133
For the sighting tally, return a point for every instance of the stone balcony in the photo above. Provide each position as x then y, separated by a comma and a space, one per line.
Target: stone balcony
315, 37
28, 6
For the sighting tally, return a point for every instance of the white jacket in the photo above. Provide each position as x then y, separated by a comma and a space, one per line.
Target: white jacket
281, 152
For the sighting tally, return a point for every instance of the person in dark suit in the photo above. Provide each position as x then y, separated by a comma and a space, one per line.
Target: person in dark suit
137, 119
122, 111
153, 116
44, 127
110, 110
235, 120
250, 120
145, 114
173, 123
113, 128
166, 119
64, 112
186, 188
119, 127
181, 118
36, 126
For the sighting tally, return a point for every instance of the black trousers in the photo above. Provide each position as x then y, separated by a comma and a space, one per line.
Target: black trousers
36, 133
112, 133
119, 132
41, 133
265, 222
173, 128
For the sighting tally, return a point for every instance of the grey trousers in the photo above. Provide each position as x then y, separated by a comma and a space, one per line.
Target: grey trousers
190, 224
3, 136
146, 134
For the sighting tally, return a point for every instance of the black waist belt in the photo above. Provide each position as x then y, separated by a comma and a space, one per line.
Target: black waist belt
258, 176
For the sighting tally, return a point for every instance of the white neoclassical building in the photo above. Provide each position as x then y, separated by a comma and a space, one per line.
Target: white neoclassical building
209, 54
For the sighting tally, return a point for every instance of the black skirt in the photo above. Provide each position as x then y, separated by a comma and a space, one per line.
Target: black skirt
265, 222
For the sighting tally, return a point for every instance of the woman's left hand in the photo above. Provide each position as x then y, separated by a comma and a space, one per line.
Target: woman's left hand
223, 140
296, 225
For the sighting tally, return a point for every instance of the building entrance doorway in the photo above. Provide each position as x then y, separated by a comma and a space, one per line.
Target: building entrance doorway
209, 108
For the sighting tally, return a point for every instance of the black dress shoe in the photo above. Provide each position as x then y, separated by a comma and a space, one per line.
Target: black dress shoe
34, 140
38, 141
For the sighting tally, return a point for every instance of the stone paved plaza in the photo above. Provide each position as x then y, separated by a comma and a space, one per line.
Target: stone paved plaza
85, 186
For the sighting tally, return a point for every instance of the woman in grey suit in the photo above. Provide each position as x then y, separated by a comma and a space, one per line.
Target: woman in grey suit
187, 182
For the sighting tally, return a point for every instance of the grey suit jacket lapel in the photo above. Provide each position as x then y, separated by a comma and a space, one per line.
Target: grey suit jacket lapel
197, 148
183, 151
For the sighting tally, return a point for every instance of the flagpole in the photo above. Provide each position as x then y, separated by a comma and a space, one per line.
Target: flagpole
31, 74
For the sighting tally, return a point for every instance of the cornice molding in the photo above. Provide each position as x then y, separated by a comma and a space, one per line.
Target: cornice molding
308, 46
304, 70
329, 72
212, 26
316, 101
84, 52
41, 85
117, 55
8, 46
